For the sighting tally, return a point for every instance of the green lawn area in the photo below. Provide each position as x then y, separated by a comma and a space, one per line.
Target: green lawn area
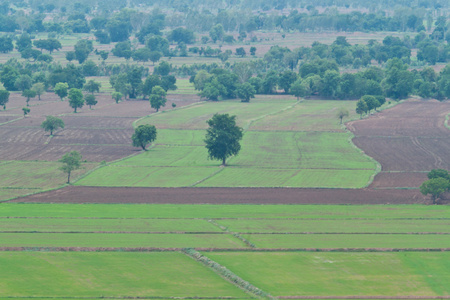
217, 211
285, 241
337, 226
58, 274
322, 158
24, 177
119, 240
106, 225
342, 274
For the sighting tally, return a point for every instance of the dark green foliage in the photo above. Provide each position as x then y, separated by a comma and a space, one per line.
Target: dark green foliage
61, 89
52, 123
82, 50
216, 33
23, 42
90, 100
6, 44
117, 96
92, 86
361, 107
142, 55
122, 49
157, 98
298, 89
438, 173
435, 187
162, 69
158, 43
23, 82
71, 162
71, 74
245, 92
76, 99
31, 54
181, 35
28, 94
240, 51
26, 111
155, 56
50, 45
8, 77
4, 98
286, 79
144, 135
223, 137
102, 37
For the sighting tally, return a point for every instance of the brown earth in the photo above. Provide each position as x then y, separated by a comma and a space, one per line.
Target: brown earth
101, 133
406, 139
81, 194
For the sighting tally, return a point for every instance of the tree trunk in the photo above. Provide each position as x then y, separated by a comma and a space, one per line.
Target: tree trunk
68, 177
51, 132
223, 162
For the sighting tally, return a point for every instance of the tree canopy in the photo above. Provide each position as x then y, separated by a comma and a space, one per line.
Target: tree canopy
143, 135
223, 137
52, 123
71, 162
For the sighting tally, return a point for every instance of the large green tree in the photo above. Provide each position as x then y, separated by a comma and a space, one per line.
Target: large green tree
52, 123
245, 92
61, 89
435, 187
143, 135
223, 137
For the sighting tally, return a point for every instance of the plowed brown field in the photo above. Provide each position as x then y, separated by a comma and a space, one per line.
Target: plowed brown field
409, 139
101, 133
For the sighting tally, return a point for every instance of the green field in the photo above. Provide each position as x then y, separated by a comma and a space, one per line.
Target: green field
342, 274
27, 177
295, 152
297, 241
25, 274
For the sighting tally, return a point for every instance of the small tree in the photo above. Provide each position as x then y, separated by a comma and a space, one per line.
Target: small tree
117, 96
92, 86
4, 98
76, 99
437, 173
252, 51
52, 123
245, 91
26, 111
157, 98
61, 89
222, 137
155, 56
71, 162
361, 107
29, 94
90, 100
39, 88
23, 82
143, 135
240, 52
435, 187
298, 89
342, 113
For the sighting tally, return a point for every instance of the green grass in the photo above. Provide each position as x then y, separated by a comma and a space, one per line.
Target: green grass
19, 178
337, 226
120, 211
25, 274
342, 274
106, 225
285, 241
195, 116
119, 240
184, 87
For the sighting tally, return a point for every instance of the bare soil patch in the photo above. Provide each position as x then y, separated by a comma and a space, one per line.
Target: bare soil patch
410, 137
79, 194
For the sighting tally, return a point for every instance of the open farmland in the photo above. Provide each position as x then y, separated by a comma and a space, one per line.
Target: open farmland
407, 140
123, 250
288, 153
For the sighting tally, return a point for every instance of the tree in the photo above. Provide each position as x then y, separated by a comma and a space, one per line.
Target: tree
61, 89
142, 55
155, 56
252, 51
438, 173
298, 89
39, 88
82, 50
342, 113
90, 100
23, 82
361, 107
92, 86
371, 101
435, 187
245, 91
8, 77
26, 111
143, 135
117, 96
240, 51
6, 44
4, 98
181, 35
216, 33
76, 99
222, 137
52, 123
71, 162
28, 94
157, 98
